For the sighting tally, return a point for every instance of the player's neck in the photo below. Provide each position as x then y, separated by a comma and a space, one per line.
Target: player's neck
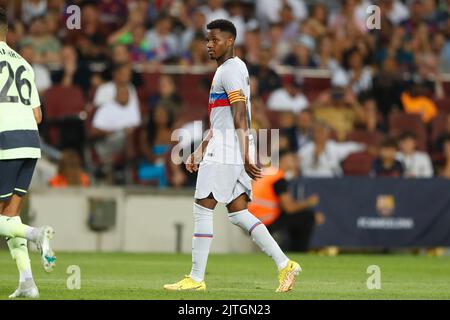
225, 57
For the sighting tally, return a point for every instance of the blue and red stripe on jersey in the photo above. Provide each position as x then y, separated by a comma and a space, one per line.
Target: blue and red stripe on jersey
217, 100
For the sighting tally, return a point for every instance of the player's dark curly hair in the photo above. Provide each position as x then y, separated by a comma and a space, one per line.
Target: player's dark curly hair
222, 25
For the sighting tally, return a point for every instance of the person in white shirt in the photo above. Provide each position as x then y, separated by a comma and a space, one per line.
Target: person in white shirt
288, 98
322, 157
417, 164
113, 125
107, 92
214, 10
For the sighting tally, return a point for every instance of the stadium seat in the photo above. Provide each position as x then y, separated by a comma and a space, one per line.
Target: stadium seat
358, 164
63, 101
64, 108
400, 122
443, 105
438, 126
368, 138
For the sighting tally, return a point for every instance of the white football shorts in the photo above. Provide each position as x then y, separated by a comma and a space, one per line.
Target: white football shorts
225, 181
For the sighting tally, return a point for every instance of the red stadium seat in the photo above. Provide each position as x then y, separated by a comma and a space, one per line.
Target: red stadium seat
438, 126
63, 101
400, 122
358, 164
368, 138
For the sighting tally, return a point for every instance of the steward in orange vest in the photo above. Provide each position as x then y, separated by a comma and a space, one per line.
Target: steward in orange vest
274, 205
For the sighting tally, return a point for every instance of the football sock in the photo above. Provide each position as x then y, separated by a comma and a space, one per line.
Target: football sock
19, 252
201, 241
260, 235
11, 228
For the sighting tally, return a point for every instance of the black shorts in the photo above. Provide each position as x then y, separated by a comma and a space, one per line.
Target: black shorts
15, 177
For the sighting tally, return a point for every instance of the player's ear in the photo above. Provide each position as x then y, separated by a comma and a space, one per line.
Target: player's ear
230, 41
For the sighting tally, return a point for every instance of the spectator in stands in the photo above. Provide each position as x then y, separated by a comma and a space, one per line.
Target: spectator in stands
268, 79
340, 109
16, 32
322, 157
439, 143
260, 119
387, 87
415, 101
441, 47
252, 45
196, 54
163, 42
280, 47
70, 173
120, 54
300, 134
325, 56
90, 40
354, 73
107, 92
167, 95
114, 126
417, 164
269, 11
41, 74
73, 72
288, 98
275, 206
347, 18
214, 9
32, 9
301, 56
46, 46
194, 27
369, 120
236, 15
386, 164
444, 171
140, 49
124, 35
111, 12
155, 143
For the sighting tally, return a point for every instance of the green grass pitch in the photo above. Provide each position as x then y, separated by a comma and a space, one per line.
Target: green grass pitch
249, 276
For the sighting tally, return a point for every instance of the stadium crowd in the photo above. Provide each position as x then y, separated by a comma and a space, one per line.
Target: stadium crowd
111, 101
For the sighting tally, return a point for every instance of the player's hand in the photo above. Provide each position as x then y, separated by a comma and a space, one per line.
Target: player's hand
191, 163
313, 200
252, 170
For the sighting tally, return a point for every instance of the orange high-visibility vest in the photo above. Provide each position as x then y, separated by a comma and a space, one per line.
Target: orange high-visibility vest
266, 204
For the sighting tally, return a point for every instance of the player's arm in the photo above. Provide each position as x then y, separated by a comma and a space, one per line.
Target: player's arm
287, 203
37, 112
239, 111
194, 159
290, 205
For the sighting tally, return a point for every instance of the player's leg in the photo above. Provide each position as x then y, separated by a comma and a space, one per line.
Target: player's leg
201, 242
239, 215
19, 177
10, 209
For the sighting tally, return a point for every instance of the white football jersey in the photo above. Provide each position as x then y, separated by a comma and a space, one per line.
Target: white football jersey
231, 83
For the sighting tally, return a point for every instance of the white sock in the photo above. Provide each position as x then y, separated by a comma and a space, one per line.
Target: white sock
201, 241
19, 252
260, 235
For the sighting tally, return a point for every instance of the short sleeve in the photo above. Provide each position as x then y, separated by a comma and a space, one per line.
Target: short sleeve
234, 83
280, 187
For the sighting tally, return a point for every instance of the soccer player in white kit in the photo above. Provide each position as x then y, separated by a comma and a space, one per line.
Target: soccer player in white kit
226, 164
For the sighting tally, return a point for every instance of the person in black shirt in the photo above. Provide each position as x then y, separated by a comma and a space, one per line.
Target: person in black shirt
298, 217
386, 165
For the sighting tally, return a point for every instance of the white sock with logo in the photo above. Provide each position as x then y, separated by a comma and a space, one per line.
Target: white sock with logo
260, 235
201, 241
